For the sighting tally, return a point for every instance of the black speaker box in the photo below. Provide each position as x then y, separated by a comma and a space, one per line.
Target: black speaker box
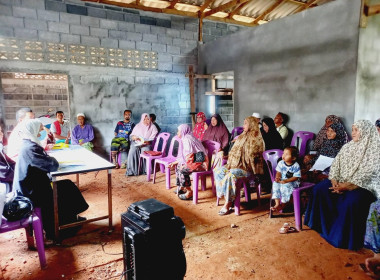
152, 242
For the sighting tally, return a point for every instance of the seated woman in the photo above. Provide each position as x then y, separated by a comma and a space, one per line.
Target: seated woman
6, 173
372, 240
321, 136
200, 126
244, 158
339, 205
271, 136
82, 134
218, 132
336, 138
147, 132
32, 179
185, 164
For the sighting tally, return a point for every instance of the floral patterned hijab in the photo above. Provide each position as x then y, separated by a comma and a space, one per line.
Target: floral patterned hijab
248, 149
321, 136
199, 128
331, 147
359, 162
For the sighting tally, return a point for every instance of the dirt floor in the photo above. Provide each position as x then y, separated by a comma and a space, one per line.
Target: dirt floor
214, 249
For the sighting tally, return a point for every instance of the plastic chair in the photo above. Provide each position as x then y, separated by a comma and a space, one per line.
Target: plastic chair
149, 158
236, 131
165, 161
34, 221
271, 158
118, 157
244, 183
305, 137
210, 146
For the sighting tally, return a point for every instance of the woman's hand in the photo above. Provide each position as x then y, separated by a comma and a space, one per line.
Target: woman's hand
343, 187
334, 183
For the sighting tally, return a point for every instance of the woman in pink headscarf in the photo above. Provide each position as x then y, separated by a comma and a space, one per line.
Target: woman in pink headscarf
201, 126
191, 147
141, 139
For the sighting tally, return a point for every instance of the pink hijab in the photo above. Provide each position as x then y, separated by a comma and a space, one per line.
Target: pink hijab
189, 142
148, 132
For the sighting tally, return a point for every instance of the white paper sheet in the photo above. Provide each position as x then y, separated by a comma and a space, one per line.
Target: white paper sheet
322, 163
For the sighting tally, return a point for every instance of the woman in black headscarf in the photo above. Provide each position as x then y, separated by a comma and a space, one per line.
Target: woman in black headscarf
271, 136
6, 173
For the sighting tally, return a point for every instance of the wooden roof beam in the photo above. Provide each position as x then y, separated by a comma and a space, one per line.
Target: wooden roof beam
268, 11
204, 7
371, 10
238, 9
172, 4
305, 6
223, 7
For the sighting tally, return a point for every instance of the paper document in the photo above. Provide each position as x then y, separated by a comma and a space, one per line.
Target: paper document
322, 163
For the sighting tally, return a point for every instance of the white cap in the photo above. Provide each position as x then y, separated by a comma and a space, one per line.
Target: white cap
256, 115
80, 115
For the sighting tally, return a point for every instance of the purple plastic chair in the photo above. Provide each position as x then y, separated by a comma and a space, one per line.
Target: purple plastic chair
244, 183
165, 161
149, 158
236, 131
271, 157
33, 221
118, 158
210, 146
305, 137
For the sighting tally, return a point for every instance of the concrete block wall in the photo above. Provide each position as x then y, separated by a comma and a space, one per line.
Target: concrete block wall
300, 65
38, 94
102, 93
368, 77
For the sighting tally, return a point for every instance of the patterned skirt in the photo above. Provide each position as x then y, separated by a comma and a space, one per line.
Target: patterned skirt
225, 181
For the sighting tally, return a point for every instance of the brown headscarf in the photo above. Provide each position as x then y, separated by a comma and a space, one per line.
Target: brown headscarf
247, 152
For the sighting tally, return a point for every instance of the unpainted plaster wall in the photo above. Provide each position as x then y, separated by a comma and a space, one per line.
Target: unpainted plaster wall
303, 65
368, 77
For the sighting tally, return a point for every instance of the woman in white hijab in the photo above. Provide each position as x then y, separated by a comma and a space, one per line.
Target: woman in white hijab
32, 179
144, 131
339, 206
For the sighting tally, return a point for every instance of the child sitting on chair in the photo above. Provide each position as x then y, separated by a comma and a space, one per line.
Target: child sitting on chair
287, 178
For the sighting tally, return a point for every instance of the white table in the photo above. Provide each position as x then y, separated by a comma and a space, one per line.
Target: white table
76, 160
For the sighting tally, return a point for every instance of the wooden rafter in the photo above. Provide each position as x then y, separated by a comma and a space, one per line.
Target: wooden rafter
223, 7
267, 11
172, 4
371, 10
204, 7
238, 9
305, 6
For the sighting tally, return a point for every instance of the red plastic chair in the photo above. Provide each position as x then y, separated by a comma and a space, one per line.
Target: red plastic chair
210, 146
305, 137
165, 161
149, 158
271, 158
33, 221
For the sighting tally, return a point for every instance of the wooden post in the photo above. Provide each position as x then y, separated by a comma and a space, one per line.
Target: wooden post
192, 94
200, 30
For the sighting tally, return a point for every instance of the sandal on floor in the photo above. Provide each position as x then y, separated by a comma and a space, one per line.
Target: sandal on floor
284, 230
179, 191
183, 197
224, 211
